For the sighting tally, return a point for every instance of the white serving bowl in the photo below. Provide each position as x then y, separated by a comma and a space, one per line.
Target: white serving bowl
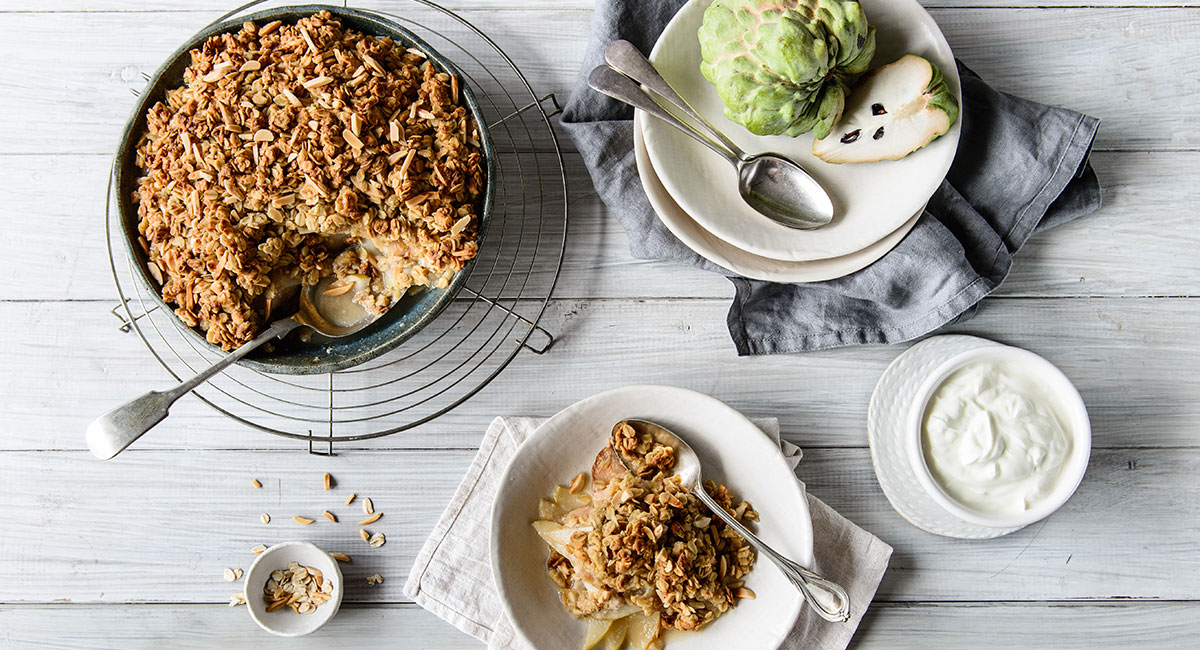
283, 621
733, 451
1063, 390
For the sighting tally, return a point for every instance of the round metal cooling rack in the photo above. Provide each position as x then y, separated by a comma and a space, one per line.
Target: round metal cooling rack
495, 317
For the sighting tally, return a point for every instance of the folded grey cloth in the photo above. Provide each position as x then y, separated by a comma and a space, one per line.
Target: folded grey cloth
1021, 167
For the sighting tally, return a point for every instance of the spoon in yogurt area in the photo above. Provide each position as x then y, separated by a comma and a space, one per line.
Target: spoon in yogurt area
325, 309
827, 598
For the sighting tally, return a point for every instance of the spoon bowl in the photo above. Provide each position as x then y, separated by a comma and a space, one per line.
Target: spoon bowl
828, 599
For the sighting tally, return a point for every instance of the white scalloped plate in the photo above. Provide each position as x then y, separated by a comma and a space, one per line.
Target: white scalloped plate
870, 200
886, 417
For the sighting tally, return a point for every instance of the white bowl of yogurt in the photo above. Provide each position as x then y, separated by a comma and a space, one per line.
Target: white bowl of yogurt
998, 436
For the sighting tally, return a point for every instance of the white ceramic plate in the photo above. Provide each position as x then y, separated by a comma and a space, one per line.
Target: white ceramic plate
746, 264
733, 451
871, 200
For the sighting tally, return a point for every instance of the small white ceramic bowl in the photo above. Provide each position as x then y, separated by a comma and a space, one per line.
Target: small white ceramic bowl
1064, 391
283, 621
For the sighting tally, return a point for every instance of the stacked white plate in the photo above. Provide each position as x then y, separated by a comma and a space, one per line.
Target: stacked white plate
695, 192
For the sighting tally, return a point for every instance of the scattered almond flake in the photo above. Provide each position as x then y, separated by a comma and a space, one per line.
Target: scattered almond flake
426, 115
393, 158
317, 82
745, 592
368, 506
374, 65
355, 126
252, 65
370, 520
366, 537
302, 520
263, 135
328, 481
394, 131
579, 481
237, 599
414, 51
349, 499
329, 515
454, 88
352, 139
340, 287
266, 519
269, 27
291, 97
407, 161
230, 576
460, 226
339, 556
258, 549
237, 574
255, 483
308, 39
377, 540
375, 579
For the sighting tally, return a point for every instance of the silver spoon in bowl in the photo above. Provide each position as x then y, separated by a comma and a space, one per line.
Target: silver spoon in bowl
109, 434
827, 598
772, 184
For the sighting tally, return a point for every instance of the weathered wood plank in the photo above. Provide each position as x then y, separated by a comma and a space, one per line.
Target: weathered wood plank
1132, 359
158, 526
890, 626
61, 255
80, 6
81, 108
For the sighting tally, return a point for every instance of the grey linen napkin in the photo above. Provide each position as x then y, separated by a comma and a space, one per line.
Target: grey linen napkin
1022, 167
452, 575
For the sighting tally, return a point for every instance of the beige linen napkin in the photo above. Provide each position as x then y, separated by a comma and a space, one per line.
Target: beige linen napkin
452, 576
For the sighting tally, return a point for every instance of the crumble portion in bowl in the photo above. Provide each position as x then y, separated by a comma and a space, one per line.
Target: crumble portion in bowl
288, 143
643, 547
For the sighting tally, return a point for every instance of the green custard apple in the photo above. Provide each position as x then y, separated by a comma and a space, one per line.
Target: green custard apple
784, 66
892, 112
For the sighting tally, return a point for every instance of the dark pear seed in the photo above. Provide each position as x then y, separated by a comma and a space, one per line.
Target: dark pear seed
862, 40
878, 134
851, 136
878, 109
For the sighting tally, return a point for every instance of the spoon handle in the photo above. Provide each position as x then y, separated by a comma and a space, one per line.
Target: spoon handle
826, 597
109, 434
616, 85
625, 58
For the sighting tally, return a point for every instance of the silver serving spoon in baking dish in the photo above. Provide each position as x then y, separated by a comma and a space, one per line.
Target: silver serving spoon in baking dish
827, 598
772, 184
335, 316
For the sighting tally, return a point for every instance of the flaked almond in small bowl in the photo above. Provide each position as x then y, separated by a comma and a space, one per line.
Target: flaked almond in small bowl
293, 589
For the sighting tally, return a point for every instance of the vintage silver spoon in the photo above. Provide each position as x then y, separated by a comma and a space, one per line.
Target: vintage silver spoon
826, 597
772, 184
109, 434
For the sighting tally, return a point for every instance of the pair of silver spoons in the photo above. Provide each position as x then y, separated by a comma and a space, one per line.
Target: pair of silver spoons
773, 185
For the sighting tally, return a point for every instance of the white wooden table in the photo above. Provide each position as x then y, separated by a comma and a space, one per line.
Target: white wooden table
129, 554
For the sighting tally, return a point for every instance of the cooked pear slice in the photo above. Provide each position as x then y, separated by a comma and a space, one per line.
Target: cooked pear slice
643, 631
616, 635
596, 629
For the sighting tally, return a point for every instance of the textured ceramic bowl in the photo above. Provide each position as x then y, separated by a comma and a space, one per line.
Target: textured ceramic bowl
293, 355
733, 451
283, 621
1063, 391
